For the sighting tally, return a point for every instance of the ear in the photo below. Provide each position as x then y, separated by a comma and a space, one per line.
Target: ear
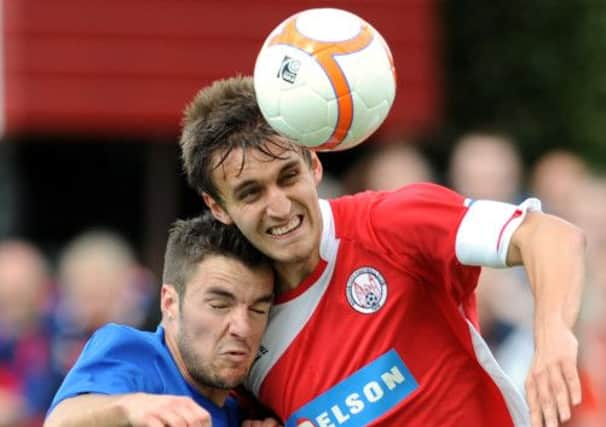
216, 209
169, 302
316, 167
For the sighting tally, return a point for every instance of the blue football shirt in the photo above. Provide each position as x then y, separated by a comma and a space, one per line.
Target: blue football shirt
120, 359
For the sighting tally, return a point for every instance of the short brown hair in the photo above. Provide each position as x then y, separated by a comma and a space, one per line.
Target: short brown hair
191, 241
222, 117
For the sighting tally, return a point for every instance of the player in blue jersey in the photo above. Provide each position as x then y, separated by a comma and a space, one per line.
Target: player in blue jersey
215, 299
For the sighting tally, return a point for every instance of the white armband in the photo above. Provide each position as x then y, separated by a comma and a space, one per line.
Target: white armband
485, 232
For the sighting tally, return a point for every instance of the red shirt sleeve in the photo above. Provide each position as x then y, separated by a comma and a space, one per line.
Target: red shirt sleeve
416, 226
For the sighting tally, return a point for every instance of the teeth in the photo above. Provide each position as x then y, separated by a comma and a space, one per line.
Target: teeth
292, 224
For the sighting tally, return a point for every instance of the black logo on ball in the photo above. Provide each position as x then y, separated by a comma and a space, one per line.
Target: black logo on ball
289, 69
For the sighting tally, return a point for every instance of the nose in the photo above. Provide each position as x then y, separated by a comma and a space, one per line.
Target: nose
279, 205
240, 323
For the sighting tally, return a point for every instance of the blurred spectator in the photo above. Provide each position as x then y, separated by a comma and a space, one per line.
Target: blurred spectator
587, 209
389, 166
26, 382
487, 165
99, 282
330, 187
554, 179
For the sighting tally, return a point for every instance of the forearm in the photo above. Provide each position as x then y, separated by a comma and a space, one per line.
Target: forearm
88, 410
131, 409
553, 254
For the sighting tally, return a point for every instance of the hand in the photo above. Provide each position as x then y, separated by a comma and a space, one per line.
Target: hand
553, 384
267, 422
151, 410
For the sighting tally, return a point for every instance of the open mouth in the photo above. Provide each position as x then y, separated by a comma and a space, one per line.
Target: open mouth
237, 356
283, 230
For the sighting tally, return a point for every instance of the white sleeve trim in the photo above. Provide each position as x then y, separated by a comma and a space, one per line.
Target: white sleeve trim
485, 232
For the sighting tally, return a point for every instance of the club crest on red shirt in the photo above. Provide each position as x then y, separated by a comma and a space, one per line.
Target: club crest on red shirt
366, 290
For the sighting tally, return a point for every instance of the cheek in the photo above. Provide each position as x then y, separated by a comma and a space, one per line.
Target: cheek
248, 229
199, 329
308, 187
248, 219
259, 328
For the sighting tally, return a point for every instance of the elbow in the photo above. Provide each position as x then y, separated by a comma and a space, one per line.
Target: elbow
566, 233
56, 422
56, 418
577, 238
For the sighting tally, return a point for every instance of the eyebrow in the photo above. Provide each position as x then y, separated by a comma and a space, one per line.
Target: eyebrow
244, 185
267, 298
290, 164
218, 292
251, 182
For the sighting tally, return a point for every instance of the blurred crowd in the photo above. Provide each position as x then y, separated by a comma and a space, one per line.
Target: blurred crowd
48, 311
47, 316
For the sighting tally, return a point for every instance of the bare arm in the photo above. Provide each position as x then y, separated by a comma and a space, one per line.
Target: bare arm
136, 409
552, 251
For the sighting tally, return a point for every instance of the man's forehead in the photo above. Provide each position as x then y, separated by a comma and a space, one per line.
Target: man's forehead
224, 275
240, 162
213, 268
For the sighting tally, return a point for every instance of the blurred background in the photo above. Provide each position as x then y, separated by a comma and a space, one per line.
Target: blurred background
500, 100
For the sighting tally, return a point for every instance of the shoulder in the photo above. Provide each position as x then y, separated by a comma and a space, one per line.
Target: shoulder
409, 205
409, 194
122, 340
116, 360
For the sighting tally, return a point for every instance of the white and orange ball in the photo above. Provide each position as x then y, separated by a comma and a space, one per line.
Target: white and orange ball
325, 79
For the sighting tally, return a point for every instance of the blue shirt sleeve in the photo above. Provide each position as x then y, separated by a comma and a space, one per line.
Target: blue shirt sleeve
113, 361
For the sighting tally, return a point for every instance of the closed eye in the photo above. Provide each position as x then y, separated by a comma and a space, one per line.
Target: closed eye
262, 308
289, 177
220, 302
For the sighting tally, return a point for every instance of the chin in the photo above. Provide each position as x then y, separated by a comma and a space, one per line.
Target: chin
289, 258
232, 381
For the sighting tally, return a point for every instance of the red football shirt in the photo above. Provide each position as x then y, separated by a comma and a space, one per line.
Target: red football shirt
384, 331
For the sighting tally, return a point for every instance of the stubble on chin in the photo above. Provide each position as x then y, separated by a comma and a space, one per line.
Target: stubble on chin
203, 373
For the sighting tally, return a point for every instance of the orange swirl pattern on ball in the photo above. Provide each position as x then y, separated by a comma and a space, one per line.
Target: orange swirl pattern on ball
324, 53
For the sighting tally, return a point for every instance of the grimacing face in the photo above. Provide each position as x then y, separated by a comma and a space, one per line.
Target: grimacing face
274, 203
220, 320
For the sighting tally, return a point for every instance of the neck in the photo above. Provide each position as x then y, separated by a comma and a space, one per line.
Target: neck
291, 274
215, 395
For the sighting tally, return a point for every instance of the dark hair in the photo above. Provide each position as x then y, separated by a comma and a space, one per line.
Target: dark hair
222, 117
192, 240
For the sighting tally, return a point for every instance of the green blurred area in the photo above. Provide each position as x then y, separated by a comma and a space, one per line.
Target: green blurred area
536, 70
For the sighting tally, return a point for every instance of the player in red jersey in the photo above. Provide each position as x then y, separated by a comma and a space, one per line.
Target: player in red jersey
375, 319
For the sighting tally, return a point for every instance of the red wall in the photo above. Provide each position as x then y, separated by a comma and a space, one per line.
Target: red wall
130, 66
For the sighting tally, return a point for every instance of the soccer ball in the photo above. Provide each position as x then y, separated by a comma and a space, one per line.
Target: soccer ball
325, 79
